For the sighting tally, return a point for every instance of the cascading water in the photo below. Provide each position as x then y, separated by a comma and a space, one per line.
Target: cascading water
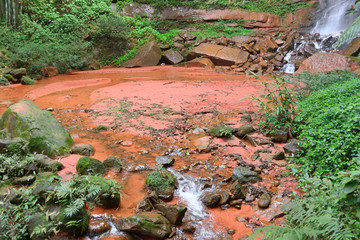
189, 193
330, 23
332, 18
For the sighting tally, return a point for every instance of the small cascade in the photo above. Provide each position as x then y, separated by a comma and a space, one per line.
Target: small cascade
189, 192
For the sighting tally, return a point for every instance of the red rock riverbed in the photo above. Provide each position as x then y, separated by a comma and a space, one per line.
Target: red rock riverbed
153, 110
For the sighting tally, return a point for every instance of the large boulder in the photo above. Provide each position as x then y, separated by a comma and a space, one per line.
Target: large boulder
325, 62
220, 55
40, 128
84, 149
174, 213
173, 57
147, 55
353, 49
244, 175
147, 224
199, 62
210, 199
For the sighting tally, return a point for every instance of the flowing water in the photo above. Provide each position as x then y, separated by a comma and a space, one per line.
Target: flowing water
332, 18
331, 21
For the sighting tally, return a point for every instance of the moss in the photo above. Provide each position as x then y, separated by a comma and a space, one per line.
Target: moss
25, 80
221, 131
160, 182
4, 81
101, 128
10, 78
44, 133
90, 166
113, 163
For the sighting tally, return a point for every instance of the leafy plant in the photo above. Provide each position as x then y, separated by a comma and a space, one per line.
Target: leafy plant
328, 126
159, 182
222, 130
277, 103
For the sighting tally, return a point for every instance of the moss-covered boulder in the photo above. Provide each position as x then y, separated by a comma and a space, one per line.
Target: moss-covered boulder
146, 224
163, 184
90, 166
84, 149
47, 164
113, 163
109, 191
40, 128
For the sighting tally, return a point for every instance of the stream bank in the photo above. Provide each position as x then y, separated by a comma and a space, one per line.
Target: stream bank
167, 111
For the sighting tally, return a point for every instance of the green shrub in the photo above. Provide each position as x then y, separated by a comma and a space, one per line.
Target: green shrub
35, 56
4, 81
277, 104
329, 129
110, 35
158, 181
306, 83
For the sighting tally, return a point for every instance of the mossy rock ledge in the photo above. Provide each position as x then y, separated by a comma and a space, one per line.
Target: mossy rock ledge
38, 127
90, 166
146, 224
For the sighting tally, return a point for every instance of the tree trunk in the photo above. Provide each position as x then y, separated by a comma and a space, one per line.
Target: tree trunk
10, 11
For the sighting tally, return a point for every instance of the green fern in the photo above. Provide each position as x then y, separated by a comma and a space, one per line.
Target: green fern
328, 211
349, 33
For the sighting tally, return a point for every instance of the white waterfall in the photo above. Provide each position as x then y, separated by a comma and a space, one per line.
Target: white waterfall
331, 17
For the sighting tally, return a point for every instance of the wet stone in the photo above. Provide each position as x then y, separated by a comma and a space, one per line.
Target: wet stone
236, 202
246, 118
225, 206
83, 149
280, 136
243, 131
210, 199
250, 198
164, 161
98, 226
293, 147
224, 197
189, 228
279, 156
237, 190
264, 201
244, 175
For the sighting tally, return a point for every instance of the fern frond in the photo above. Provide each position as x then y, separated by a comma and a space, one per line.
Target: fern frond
349, 33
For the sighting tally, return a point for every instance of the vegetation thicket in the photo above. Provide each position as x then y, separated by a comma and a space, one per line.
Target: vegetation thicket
279, 7
72, 34
326, 120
